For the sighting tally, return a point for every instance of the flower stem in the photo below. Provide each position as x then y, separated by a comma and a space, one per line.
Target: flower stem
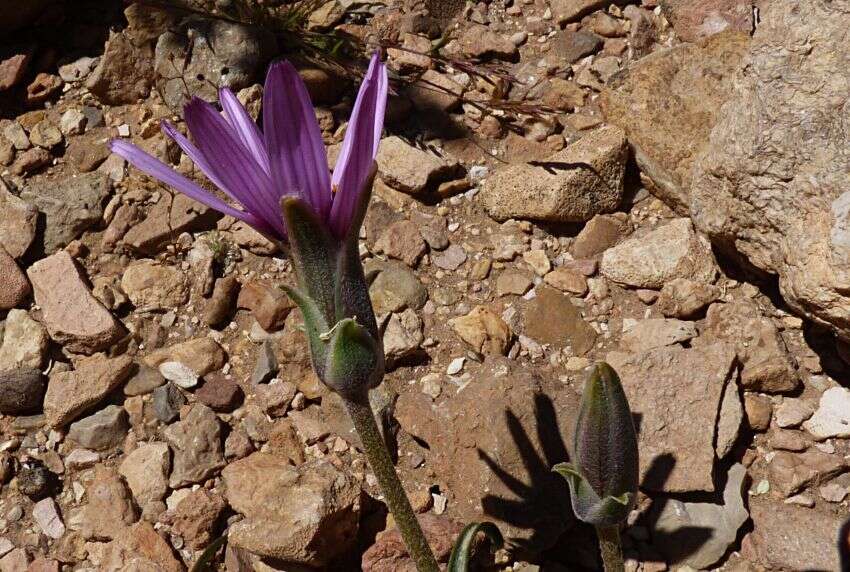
609, 546
396, 499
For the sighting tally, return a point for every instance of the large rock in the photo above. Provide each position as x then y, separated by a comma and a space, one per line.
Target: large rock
197, 445
671, 251
493, 445
124, 73
139, 547
71, 393
412, 170
766, 364
772, 184
204, 54
18, 221
668, 103
307, 514
25, 342
152, 286
72, 315
70, 206
832, 418
677, 394
695, 20
789, 537
572, 185
551, 318
20, 391
698, 534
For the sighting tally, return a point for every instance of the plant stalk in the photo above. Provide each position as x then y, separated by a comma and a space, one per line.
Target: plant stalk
609, 546
394, 495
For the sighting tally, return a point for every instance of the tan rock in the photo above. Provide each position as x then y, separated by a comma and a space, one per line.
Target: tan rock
14, 288
551, 318
25, 342
412, 170
73, 317
201, 355
269, 304
72, 393
152, 286
483, 330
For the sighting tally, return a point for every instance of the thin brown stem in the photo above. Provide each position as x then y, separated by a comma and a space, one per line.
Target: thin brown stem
609, 546
394, 495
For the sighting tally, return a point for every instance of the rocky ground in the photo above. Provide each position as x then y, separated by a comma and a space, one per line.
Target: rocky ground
669, 201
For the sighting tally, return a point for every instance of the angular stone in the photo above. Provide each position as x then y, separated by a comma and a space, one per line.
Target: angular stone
512, 282
20, 391
219, 393
45, 134
564, 11
832, 418
269, 304
434, 91
728, 420
146, 471
567, 280
402, 334
573, 185
201, 355
684, 298
103, 430
70, 206
219, 309
483, 330
18, 220
654, 333
396, 288
571, 46
389, 553
788, 537
599, 234
197, 516
791, 472
482, 43
677, 449
168, 219
699, 534
139, 547
307, 514
671, 251
197, 446
152, 286
668, 103
411, 170
167, 401
792, 412
124, 73
25, 342
72, 393
15, 287
451, 258
30, 161
73, 317
144, 380
551, 318
47, 517
767, 367
758, 409
402, 241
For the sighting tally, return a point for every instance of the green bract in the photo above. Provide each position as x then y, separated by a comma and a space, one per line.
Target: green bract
332, 293
603, 477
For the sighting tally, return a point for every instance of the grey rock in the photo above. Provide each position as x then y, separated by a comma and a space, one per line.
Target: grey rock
124, 73
144, 380
70, 206
103, 430
197, 445
21, 391
699, 534
657, 332
832, 418
788, 537
395, 288
266, 365
728, 419
167, 401
412, 170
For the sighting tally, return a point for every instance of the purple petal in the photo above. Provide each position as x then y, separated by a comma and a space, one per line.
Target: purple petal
162, 172
232, 164
360, 145
248, 131
195, 155
297, 155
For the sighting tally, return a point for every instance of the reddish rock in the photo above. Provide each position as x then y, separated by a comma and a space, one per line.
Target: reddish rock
219, 393
30, 161
72, 315
140, 548
197, 516
14, 287
269, 304
71, 393
12, 69
695, 20
43, 87
44, 565
389, 553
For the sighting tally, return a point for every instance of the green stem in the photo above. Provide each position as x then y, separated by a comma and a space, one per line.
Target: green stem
396, 499
609, 546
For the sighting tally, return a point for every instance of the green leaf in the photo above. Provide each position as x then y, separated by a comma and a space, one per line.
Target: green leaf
353, 360
587, 505
461, 553
205, 559
315, 326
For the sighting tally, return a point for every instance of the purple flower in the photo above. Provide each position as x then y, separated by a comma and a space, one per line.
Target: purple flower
256, 169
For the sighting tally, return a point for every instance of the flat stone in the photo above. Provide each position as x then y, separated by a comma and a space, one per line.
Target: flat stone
685, 299
483, 330
30, 161
402, 241
482, 43
788, 537
15, 288
46, 515
389, 552
759, 410
143, 381
696, 20
434, 91
167, 219
677, 522
152, 286
564, 11
268, 303
573, 185
18, 221
767, 367
676, 411
219, 308
201, 355
72, 315
395, 288
551, 318
24, 342
792, 412
728, 420
70, 205
146, 471
72, 393
307, 514
512, 282
412, 170
654, 333
402, 334
21, 391
196, 442
599, 234
671, 251
572, 46
451, 258
140, 547
220, 393
832, 418
124, 73
791, 472
103, 430
45, 134
197, 516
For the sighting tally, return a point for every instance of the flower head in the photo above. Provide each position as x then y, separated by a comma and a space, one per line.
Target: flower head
257, 169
